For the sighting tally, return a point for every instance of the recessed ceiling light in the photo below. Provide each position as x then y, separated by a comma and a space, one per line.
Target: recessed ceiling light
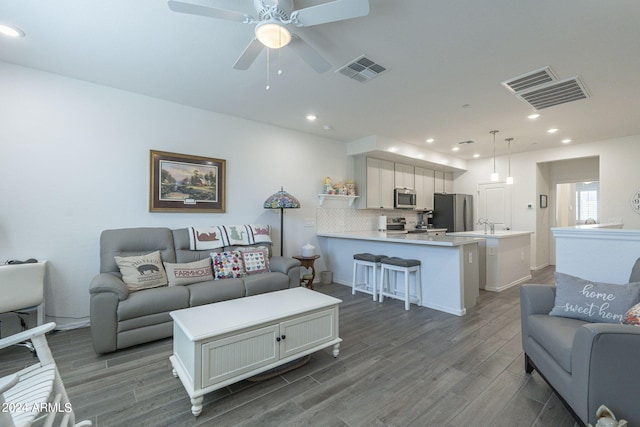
455, 149
552, 130
566, 141
475, 156
533, 116
429, 140
327, 127
311, 117
11, 31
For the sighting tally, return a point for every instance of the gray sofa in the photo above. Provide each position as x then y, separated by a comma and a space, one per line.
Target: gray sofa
121, 319
587, 364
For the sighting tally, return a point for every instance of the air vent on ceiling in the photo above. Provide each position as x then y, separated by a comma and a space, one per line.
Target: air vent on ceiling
466, 142
362, 69
530, 80
555, 93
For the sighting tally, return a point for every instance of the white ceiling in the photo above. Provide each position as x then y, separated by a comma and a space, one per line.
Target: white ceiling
442, 55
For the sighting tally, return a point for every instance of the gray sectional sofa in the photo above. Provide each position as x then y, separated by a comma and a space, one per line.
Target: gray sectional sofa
587, 364
120, 318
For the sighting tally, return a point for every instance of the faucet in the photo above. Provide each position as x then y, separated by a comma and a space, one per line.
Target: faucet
493, 229
485, 222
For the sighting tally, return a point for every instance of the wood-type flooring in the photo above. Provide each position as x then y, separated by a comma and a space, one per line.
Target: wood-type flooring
396, 368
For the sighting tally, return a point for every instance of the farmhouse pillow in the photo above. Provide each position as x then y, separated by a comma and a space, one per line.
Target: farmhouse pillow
142, 272
255, 260
592, 301
227, 265
190, 272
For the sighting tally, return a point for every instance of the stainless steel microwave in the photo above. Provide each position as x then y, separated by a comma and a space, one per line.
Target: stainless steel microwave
404, 198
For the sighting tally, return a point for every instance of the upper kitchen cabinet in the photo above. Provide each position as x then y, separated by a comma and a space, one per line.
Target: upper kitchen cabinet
404, 176
425, 187
443, 182
378, 179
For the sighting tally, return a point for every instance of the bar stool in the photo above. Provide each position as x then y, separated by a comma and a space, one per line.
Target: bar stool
399, 265
371, 265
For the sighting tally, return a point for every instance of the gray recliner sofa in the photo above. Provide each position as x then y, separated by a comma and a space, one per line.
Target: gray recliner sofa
120, 318
587, 364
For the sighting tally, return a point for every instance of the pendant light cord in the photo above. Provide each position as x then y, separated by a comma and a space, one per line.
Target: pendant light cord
494, 149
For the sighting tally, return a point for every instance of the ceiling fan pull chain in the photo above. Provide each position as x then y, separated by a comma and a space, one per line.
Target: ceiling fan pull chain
268, 86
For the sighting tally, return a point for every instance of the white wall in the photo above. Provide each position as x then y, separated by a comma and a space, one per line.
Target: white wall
618, 159
74, 160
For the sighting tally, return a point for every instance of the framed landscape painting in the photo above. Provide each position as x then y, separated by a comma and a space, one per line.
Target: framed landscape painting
186, 183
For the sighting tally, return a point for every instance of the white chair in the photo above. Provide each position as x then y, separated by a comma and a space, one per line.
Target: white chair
22, 288
370, 265
36, 393
390, 289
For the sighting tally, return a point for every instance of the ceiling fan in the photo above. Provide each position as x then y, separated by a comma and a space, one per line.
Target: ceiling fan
275, 17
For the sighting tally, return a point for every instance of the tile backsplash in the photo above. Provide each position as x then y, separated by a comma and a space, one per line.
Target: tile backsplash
340, 220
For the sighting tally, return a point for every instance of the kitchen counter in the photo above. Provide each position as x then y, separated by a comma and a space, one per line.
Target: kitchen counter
449, 267
505, 257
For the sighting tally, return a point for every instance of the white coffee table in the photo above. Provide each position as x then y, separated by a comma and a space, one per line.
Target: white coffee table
219, 344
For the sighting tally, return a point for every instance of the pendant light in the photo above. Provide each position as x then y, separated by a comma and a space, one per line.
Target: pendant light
509, 177
494, 176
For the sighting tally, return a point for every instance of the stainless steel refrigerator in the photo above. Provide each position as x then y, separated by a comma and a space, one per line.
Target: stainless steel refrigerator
453, 212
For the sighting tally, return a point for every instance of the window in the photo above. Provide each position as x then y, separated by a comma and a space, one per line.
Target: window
587, 200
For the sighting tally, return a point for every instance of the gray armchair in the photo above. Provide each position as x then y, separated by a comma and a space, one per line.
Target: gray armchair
587, 364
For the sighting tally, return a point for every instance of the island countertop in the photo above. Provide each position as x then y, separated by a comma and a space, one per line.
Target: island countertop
416, 239
499, 234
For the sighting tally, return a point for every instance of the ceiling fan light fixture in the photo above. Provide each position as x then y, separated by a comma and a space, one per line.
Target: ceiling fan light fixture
273, 34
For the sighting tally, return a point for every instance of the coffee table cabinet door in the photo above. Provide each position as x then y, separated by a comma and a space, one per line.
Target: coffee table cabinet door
308, 331
232, 356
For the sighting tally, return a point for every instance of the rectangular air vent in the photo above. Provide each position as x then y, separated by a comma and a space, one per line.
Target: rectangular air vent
530, 80
555, 93
362, 69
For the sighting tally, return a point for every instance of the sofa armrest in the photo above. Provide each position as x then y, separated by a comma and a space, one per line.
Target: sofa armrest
537, 299
604, 370
282, 264
106, 282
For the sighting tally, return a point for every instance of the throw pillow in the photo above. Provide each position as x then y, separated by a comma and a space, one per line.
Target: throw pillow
592, 301
632, 316
227, 265
255, 259
190, 272
142, 271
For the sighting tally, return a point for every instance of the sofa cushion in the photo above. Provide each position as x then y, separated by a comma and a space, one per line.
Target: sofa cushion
152, 301
592, 301
189, 272
265, 282
134, 241
555, 334
214, 291
255, 260
142, 271
227, 265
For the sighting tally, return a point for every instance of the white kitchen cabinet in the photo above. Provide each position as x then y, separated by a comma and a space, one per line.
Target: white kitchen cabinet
378, 177
443, 182
425, 187
404, 176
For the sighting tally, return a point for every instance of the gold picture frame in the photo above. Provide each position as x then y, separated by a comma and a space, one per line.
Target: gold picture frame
186, 183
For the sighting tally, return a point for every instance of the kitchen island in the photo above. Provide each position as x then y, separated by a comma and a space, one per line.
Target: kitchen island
449, 264
505, 258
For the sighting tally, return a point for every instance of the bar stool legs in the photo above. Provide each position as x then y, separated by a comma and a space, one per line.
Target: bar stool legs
370, 265
399, 265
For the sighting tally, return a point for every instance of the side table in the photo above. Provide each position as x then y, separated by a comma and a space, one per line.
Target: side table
307, 262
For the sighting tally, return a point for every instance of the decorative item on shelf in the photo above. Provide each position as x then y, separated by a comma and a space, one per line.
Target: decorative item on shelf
281, 200
340, 188
308, 250
327, 186
494, 176
351, 188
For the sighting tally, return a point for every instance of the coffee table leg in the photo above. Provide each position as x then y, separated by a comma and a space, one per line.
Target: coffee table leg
336, 349
196, 405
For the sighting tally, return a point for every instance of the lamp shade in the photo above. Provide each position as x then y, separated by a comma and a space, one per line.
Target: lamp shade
273, 34
281, 200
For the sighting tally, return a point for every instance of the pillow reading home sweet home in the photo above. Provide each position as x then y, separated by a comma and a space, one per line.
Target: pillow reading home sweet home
592, 301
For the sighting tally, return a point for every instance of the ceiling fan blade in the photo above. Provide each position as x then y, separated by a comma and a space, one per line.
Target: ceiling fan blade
249, 55
211, 12
309, 54
337, 10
